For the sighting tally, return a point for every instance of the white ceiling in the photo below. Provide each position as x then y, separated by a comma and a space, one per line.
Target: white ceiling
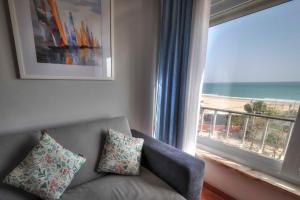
221, 5
225, 10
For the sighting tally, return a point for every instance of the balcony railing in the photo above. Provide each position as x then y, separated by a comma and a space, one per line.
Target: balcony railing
211, 129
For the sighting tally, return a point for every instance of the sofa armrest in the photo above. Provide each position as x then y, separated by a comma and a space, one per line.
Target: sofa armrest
181, 171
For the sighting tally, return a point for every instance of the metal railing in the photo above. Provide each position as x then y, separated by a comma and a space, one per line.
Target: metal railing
214, 114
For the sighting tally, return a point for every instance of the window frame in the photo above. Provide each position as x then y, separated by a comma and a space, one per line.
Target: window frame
289, 168
239, 9
291, 165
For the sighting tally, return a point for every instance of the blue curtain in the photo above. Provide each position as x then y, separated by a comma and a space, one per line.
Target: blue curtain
172, 70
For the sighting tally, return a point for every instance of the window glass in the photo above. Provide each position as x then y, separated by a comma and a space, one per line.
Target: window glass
251, 86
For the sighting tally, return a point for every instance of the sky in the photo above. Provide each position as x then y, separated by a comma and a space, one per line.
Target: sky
82, 10
94, 5
261, 47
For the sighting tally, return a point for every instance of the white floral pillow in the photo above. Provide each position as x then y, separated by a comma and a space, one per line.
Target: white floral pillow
47, 170
121, 154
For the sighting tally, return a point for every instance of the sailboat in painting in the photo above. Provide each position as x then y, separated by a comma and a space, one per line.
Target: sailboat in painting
67, 31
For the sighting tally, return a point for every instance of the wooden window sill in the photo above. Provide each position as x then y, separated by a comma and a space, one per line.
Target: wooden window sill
251, 173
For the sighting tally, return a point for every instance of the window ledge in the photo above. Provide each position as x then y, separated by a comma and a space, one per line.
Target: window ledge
249, 172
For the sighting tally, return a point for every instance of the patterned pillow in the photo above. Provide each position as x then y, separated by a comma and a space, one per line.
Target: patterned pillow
121, 154
47, 170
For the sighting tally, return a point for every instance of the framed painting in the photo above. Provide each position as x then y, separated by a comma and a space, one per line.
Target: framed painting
63, 39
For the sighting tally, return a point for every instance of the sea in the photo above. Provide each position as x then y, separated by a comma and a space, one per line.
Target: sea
289, 91
70, 56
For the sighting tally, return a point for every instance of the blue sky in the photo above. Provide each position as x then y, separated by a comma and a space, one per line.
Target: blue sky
261, 47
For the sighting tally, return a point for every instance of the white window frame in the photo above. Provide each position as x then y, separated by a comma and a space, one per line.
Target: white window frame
288, 169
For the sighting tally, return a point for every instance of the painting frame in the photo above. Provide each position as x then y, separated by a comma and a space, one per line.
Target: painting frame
68, 72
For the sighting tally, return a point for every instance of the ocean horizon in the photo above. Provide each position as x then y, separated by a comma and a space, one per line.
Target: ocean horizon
255, 90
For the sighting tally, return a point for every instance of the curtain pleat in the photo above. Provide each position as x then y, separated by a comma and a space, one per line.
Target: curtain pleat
172, 70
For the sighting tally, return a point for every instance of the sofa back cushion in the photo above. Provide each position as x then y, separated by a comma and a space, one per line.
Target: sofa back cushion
13, 149
86, 138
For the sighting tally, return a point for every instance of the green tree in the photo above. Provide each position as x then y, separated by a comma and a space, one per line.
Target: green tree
260, 107
256, 124
248, 108
257, 107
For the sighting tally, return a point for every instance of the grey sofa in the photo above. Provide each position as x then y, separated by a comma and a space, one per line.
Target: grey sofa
166, 173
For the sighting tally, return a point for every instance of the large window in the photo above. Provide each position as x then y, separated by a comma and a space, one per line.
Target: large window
251, 88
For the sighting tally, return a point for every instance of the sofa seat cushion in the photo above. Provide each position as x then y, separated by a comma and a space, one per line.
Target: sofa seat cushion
8, 192
147, 186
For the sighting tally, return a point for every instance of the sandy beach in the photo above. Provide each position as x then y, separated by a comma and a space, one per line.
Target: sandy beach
237, 104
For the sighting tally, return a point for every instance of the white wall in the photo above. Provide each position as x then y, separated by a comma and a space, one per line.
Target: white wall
26, 104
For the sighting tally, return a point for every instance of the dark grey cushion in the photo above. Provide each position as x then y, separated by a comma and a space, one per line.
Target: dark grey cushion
147, 186
181, 171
